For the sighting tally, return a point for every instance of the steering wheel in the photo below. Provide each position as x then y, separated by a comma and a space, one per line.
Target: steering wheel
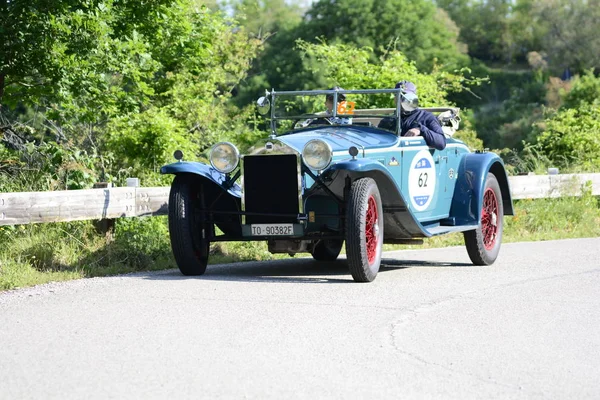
312, 122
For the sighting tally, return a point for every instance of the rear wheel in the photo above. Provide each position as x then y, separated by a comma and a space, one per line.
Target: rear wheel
483, 243
364, 230
327, 249
187, 226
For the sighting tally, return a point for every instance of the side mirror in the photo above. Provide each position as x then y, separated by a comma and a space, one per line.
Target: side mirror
264, 105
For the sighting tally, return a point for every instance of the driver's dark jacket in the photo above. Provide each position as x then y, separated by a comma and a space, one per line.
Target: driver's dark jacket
430, 127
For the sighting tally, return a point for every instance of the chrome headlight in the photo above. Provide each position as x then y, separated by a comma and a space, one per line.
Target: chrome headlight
317, 154
224, 157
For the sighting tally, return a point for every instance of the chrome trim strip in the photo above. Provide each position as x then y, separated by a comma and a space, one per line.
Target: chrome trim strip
299, 172
398, 148
333, 91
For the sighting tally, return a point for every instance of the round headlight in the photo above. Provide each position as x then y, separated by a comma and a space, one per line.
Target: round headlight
317, 154
224, 157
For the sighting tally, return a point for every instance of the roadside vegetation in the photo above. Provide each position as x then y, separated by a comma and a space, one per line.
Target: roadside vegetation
101, 90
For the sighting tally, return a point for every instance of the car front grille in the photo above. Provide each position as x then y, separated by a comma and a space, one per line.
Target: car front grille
271, 186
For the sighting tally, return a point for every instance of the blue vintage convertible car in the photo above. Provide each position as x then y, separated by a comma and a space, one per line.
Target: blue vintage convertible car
320, 179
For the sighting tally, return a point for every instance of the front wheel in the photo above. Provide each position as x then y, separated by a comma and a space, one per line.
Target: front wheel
187, 226
483, 243
327, 249
364, 230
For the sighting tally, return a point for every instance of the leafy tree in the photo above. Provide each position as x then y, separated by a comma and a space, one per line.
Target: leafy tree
527, 29
484, 26
413, 27
147, 140
355, 68
507, 123
417, 28
103, 63
505, 30
571, 37
265, 17
29, 62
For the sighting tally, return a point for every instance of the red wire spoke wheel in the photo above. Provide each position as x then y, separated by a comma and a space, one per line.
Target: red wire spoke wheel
364, 230
489, 219
372, 230
483, 243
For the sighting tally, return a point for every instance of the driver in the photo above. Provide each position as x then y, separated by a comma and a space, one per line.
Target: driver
329, 119
414, 121
329, 104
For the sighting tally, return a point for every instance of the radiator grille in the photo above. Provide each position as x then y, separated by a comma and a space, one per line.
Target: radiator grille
271, 186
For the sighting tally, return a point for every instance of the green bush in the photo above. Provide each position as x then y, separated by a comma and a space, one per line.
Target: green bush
147, 140
585, 90
145, 237
530, 159
570, 138
498, 86
507, 123
47, 166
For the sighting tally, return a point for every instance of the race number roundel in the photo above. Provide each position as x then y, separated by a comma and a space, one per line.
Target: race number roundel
421, 180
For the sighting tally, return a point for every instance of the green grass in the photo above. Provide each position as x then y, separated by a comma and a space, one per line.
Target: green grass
36, 254
537, 220
19, 273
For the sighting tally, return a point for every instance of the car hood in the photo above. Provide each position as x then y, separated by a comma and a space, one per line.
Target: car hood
340, 138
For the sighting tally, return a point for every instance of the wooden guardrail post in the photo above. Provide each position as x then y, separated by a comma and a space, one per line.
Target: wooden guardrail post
104, 226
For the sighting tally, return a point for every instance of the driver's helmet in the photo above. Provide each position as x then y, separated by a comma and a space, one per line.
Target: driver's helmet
409, 98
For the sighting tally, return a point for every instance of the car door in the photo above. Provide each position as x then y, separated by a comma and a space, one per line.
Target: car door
424, 172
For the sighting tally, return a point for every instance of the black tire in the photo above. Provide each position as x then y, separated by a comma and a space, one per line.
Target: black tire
364, 240
327, 250
187, 228
483, 243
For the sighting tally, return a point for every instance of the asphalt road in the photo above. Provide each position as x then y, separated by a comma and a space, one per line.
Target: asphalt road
430, 326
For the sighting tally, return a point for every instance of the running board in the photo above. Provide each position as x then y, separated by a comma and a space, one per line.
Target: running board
440, 229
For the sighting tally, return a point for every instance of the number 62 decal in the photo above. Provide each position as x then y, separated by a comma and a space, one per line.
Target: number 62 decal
346, 107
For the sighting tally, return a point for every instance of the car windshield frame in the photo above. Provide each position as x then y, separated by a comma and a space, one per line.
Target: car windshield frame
274, 95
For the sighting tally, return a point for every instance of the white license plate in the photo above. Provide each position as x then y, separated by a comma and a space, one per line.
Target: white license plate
272, 229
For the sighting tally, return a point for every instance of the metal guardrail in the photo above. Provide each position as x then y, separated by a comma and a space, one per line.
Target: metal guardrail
110, 203
549, 186
87, 204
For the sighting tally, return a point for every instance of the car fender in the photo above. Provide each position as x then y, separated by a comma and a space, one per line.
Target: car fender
400, 222
222, 197
206, 173
363, 167
468, 193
